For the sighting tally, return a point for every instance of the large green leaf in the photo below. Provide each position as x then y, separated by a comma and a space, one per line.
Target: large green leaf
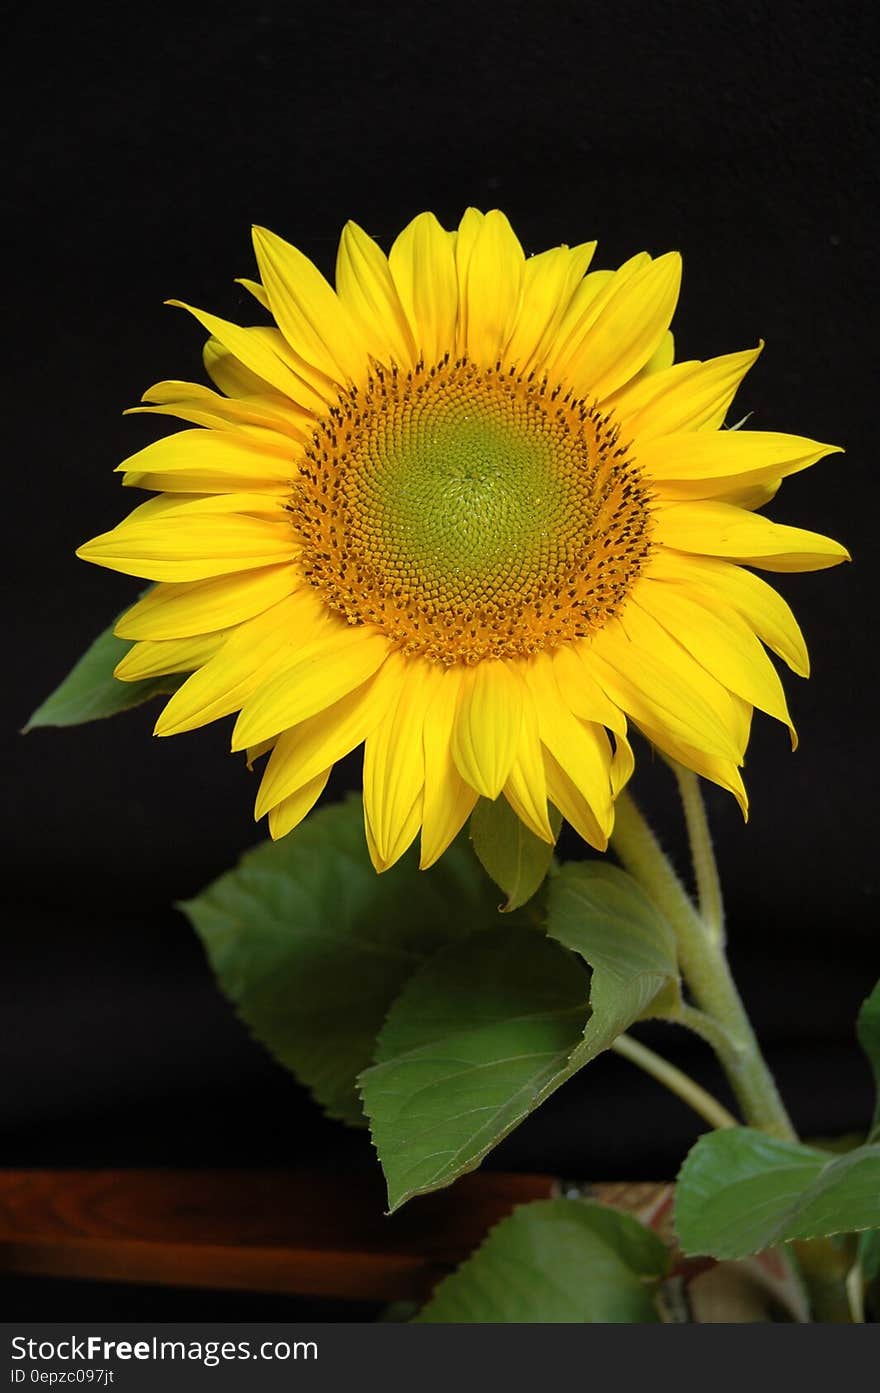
556, 1261
600, 912
490, 1028
90, 691
868, 1031
311, 946
478, 1038
740, 1192
513, 856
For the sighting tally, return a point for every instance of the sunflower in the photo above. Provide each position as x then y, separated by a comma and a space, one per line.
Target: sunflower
466, 511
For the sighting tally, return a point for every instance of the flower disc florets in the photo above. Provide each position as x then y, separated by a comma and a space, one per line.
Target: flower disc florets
471, 512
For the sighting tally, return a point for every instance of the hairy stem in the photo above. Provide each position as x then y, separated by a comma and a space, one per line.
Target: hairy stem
702, 854
706, 972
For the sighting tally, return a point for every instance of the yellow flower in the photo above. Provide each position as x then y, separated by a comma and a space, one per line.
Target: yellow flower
465, 511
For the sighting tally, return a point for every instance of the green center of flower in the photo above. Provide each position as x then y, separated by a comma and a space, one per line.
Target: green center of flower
470, 513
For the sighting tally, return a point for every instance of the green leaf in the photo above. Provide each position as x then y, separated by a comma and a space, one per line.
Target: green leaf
868, 1031
869, 1254
312, 946
479, 1037
490, 1028
513, 856
90, 692
740, 1192
556, 1261
599, 911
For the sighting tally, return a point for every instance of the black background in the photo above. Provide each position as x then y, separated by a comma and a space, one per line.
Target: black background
144, 147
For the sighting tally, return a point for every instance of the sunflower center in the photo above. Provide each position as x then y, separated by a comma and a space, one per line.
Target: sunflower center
470, 513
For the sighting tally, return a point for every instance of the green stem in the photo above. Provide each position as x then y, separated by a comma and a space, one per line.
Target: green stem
676, 1080
705, 1026
702, 854
706, 971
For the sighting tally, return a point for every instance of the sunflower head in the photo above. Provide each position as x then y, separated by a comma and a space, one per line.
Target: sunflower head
464, 510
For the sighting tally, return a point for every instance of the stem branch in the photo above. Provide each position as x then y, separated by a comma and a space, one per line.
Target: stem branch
676, 1080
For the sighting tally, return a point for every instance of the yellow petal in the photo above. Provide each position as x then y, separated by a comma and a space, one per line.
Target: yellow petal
732, 714
580, 690
248, 657
487, 725
663, 357
231, 375
465, 241
549, 281
718, 529
308, 311
173, 539
422, 263
448, 800
259, 292
622, 764
255, 752
722, 772
290, 813
568, 798
661, 691
187, 506
366, 287
204, 606
526, 786
721, 584
580, 749
321, 673
491, 288
254, 415
304, 750
628, 329
753, 496
180, 481
408, 834
157, 658
586, 304
688, 396
591, 297
239, 461
701, 464
262, 352
721, 642
394, 763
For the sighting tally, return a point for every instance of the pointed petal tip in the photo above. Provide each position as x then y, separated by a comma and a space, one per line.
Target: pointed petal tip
263, 238
161, 728
120, 672
839, 552
672, 262
380, 863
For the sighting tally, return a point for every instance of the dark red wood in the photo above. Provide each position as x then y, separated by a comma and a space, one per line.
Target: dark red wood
269, 1231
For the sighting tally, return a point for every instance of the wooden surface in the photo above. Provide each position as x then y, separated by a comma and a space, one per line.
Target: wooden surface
268, 1231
